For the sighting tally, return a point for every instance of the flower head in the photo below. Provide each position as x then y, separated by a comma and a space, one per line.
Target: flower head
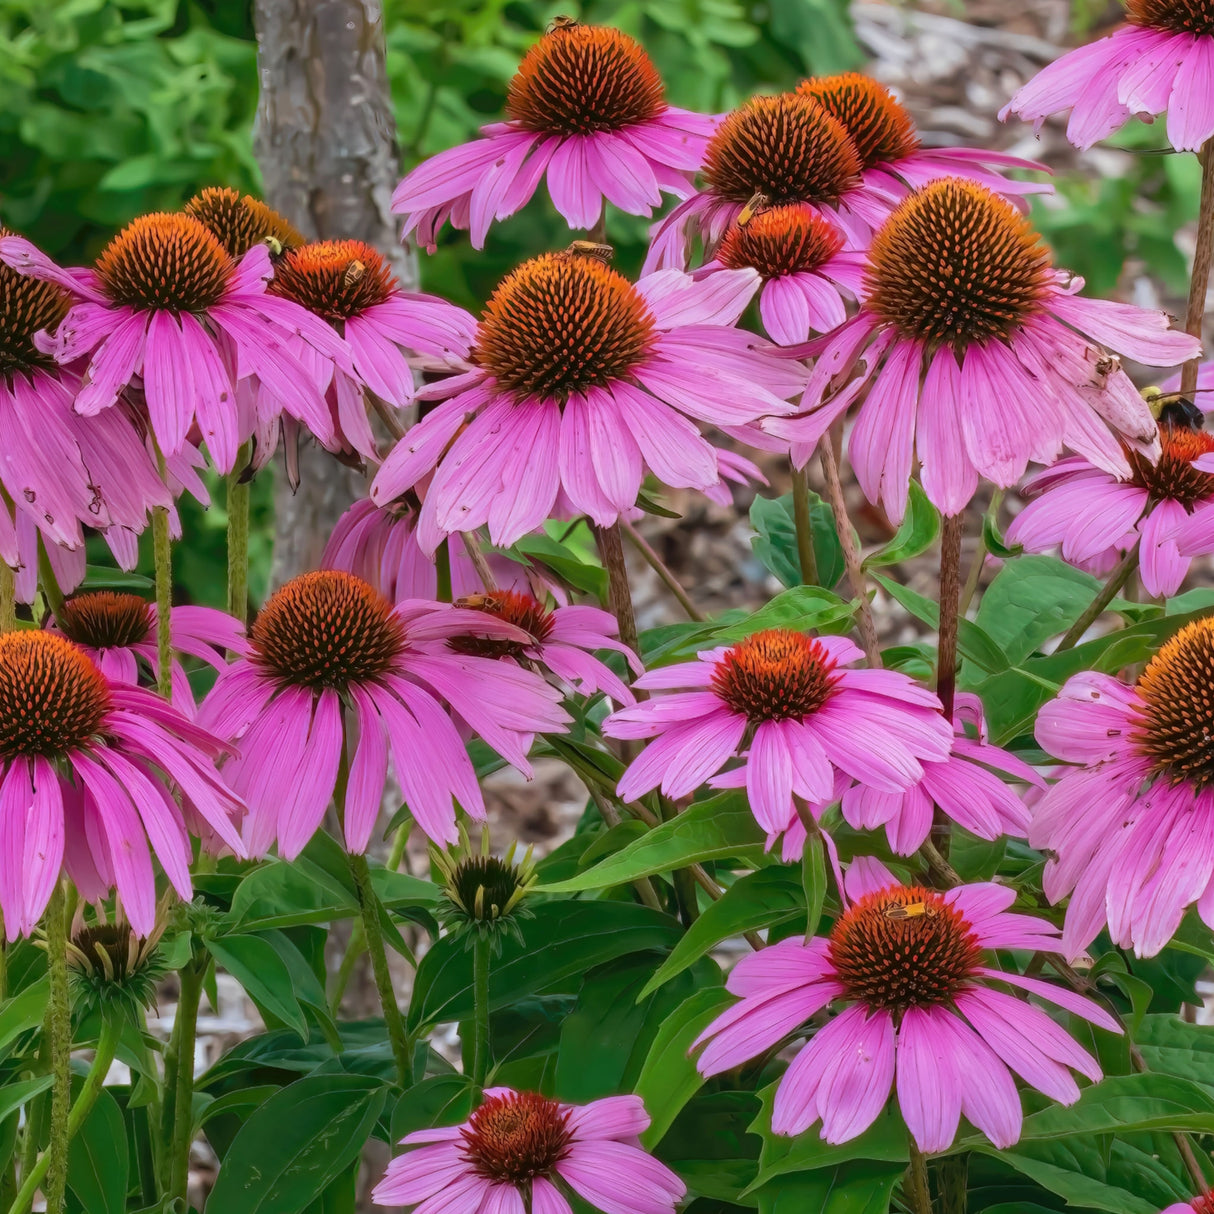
483, 894
586, 108
118, 631
1199, 1205
1166, 506
791, 708
894, 160
977, 356
327, 647
778, 150
1161, 59
86, 765
110, 962
239, 221
581, 382
1131, 828
165, 302
910, 972
523, 1151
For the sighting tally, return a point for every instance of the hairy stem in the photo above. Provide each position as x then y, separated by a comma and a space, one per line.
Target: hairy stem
369, 907
107, 1044
473, 548
1095, 608
851, 554
181, 1096
804, 526
1199, 282
480, 1003
8, 598
239, 492
610, 543
162, 548
655, 562
915, 1188
60, 1023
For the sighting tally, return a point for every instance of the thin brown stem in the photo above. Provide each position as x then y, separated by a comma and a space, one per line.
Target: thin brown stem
851, 554
473, 549
388, 415
655, 562
1199, 281
943, 874
804, 526
978, 563
915, 1188
1095, 608
619, 594
611, 815
950, 614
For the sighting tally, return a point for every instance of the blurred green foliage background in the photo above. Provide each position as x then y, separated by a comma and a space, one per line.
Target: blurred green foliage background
110, 109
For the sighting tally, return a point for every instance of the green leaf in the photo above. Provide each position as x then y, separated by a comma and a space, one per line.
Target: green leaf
1032, 599
1172, 1047
560, 942
813, 880
297, 1143
757, 900
278, 894
802, 608
716, 829
256, 965
776, 542
848, 1188
669, 1078
98, 1164
14, 1095
438, 1100
24, 1011
916, 535
972, 641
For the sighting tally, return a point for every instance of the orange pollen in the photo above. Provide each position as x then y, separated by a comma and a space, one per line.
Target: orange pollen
515, 1138
956, 264
52, 698
335, 279
578, 79
777, 675
105, 619
26, 305
1173, 17
560, 324
880, 127
515, 608
1172, 477
902, 947
1176, 730
786, 147
326, 629
240, 221
785, 240
164, 262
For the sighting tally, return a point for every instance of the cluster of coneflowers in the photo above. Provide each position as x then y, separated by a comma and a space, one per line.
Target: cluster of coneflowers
898, 287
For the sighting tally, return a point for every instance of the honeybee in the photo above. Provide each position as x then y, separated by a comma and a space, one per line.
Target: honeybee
1175, 409
913, 910
591, 248
354, 271
562, 22
756, 204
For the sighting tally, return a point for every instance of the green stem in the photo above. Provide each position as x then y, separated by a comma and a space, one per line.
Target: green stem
480, 1004
107, 1044
369, 906
8, 598
443, 565
48, 581
60, 1019
804, 525
345, 971
238, 538
1095, 608
915, 1188
179, 1072
954, 1183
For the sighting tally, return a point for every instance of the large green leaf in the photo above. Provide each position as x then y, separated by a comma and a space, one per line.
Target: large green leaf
669, 1078
562, 941
757, 900
98, 1164
14, 1095
847, 1188
24, 1011
278, 894
297, 1143
719, 828
1171, 1046
776, 542
256, 965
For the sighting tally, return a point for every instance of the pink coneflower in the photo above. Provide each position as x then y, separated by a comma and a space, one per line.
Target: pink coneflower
922, 1015
562, 639
806, 277
118, 631
894, 159
1199, 1205
587, 109
977, 356
787, 704
781, 150
328, 644
1163, 59
85, 769
1095, 517
165, 302
1131, 829
350, 285
582, 381
521, 1151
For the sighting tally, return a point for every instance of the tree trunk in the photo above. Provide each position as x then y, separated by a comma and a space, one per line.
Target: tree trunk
326, 142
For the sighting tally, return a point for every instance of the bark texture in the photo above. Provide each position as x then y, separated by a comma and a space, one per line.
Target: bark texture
326, 142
